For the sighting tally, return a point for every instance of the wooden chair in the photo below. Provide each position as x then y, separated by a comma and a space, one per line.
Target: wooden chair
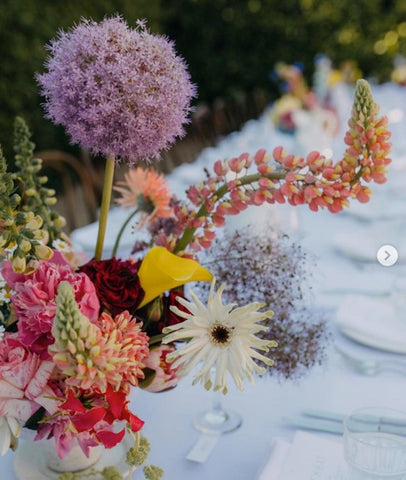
76, 192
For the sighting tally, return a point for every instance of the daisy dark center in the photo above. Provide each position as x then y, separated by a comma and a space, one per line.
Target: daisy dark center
220, 335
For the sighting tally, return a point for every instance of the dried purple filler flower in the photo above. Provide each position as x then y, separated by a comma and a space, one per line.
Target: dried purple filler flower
267, 267
118, 91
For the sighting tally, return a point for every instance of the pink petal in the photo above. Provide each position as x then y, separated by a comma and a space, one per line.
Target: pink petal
10, 391
39, 381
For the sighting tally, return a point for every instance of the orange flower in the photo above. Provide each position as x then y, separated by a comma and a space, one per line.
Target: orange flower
147, 191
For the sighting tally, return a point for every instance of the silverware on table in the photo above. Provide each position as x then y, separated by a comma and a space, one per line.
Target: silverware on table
372, 367
332, 422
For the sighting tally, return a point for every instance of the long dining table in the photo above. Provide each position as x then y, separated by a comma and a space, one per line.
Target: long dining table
364, 302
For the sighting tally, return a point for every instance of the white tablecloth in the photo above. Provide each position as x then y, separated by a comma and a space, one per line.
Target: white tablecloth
240, 455
335, 241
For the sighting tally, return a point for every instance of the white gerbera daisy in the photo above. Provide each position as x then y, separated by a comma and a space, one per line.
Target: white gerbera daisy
220, 336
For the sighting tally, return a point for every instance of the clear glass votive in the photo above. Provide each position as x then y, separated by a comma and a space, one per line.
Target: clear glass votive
375, 444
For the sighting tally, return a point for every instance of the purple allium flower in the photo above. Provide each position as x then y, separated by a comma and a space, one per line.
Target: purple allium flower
118, 91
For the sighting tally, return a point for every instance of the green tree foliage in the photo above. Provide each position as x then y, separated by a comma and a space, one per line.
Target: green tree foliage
230, 45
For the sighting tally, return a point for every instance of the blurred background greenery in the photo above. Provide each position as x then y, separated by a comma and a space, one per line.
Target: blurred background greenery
230, 46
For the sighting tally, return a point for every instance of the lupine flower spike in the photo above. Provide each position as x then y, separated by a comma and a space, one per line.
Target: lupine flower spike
96, 355
22, 238
281, 177
38, 198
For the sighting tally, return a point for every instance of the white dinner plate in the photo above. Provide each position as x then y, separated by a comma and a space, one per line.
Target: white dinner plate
362, 243
374, 322
364, 338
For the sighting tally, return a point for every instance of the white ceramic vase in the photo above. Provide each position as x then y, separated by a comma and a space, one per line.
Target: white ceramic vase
74, 461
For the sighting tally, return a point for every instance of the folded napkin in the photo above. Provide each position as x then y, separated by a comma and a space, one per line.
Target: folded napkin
308, 457
273, 467
377, 322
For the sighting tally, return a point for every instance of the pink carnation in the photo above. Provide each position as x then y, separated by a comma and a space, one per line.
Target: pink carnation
34, 299
23, 380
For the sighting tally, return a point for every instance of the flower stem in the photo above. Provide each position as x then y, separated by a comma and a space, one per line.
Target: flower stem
120, 233
105, 205
219, 193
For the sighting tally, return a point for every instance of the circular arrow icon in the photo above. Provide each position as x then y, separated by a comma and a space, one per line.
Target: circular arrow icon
387, 255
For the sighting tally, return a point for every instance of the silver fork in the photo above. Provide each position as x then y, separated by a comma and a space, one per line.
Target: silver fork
372, 367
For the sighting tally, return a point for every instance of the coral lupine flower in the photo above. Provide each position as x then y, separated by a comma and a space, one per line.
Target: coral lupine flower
118, 91
220, 336
146, 190
313, 180
96, 355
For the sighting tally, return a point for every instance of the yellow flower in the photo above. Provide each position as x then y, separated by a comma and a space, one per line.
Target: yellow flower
162, 270
19, 264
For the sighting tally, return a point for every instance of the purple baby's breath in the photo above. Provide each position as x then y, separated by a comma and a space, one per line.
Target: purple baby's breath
118, 91
267, 267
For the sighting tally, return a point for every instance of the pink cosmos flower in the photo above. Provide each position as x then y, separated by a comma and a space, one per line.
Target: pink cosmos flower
165, 376
34, 299
23, 380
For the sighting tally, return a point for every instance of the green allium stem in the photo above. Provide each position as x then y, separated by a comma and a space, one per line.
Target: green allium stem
120, 233
105, 205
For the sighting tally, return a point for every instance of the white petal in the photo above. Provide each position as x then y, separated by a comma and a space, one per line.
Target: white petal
5, 438
15, 426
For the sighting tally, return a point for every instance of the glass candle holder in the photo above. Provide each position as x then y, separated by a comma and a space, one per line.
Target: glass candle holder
375, 444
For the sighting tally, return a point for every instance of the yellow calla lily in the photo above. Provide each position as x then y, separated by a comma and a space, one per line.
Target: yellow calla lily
162, 270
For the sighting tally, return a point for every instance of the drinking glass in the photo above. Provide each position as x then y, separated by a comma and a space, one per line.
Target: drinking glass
217, 419
375, 444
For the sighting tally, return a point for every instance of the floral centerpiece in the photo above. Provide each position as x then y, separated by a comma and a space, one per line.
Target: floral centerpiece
301, 105
398, 74
78, 335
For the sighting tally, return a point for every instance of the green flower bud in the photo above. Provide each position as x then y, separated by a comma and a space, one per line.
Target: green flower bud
35, 223
111, 473
152, 472
24, 245
19, 264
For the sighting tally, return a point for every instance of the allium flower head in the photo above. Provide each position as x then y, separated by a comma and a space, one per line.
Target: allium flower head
220, 336
118, 91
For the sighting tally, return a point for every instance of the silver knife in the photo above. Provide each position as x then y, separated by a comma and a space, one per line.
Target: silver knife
316, 424
332, 422
339, 417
